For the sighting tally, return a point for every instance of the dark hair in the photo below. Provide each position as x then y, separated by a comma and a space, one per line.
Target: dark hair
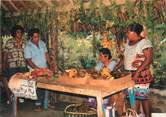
15, 28
32, 31
135, 27
106, 52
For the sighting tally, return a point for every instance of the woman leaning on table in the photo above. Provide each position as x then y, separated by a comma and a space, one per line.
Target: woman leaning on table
138, 57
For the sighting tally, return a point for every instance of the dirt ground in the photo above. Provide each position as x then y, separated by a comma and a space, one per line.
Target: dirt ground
26, 109
158, 98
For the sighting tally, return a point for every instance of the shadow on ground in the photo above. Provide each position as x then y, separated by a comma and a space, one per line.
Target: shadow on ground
27, 109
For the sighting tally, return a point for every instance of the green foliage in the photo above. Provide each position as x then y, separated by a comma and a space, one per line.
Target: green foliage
159, 62
74, 52
87, 62
150, 16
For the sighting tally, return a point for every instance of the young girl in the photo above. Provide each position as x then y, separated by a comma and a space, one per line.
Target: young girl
105, 66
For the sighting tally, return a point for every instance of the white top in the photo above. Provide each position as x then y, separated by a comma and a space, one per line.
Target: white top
131, 52
110, 66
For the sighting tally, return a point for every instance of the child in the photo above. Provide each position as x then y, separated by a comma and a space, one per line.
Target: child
104, 67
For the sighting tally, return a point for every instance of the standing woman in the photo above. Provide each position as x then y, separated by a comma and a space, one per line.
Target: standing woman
13, 56
138, 57
36, 55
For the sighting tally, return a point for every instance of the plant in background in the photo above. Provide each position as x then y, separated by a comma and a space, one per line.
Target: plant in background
75, 52
75, 49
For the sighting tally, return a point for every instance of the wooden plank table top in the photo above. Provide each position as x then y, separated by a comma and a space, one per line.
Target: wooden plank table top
89, 90
97, 91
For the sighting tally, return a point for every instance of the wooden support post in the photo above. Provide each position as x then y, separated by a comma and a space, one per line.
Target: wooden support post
45, 104
14, 106
4, 7
54, 44
0, 99
13, 5
94, 44
1, 58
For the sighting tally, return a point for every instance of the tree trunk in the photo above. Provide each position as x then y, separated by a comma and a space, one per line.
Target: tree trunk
0, 56
94, 44
54, 44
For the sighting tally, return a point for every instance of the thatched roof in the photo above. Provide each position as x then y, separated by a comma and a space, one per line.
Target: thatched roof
16, 7
19, 5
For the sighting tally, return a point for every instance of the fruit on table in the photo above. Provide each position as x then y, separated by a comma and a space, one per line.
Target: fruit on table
72, 73
105, 73
41, 72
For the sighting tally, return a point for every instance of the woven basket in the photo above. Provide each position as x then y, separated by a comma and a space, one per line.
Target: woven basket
68, 113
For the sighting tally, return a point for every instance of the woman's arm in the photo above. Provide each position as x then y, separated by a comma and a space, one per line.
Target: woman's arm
148, 53
120, 63
31, 64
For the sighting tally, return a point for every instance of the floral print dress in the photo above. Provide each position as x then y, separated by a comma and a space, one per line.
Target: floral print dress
133, 58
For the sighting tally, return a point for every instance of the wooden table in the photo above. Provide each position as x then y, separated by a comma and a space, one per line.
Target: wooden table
96, 91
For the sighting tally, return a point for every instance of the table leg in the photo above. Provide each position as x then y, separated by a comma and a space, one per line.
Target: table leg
46, 99
14, 105
100, 112
0, 100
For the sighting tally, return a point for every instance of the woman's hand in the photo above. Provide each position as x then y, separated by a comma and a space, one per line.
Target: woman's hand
120, 63
137, 63
136, 75
115, 68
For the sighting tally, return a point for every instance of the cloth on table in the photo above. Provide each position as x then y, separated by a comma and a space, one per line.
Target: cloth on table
22, 87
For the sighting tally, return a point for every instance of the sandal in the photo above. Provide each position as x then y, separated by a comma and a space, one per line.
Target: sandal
51, 106
38, 109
